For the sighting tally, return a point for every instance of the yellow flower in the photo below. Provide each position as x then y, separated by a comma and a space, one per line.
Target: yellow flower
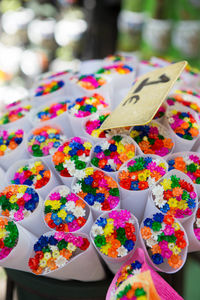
176, 226
43, 263
71, 247
174, 111
142, 176
176, 250
47, 255
120, 148
89, 171
33, 170
110, 221
108, 229
186, 119
3, 147
145, 138
38, 177
13, 199
62, 214
182, 204
2, 233
55, 204
166, 183
20, 170
143, 297
195, 125
59, 112
87, 145
134, 133
55, 254
37, 163
76, 106
172, 202
146, 173
163, 165
131, 154
66, 149
52, 130
104, 249
22, 189
48, 202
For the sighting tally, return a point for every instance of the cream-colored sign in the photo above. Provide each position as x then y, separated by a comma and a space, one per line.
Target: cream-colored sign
145, 97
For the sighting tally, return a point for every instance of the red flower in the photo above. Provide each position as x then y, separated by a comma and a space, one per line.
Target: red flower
126, 183
1, 244
87, 152
85, 245
80, 152
65, 173
39, 255
143, 185
189, 187
179, 234
98, 175
60, 227
95, 184
167, 195
198, 213
81, 221
20, 202
105, 205
33, 263
183, 184
181, 243
51, 224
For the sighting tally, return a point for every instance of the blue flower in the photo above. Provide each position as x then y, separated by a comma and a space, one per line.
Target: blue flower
30, 191
56, 144
89, 198
101, 222
99, 197
129, 244
157, 259
88, 107
51, 135
54, 216
30, 205
58, 221
108, 168
69, 218
88, 180
191, 203
158, 217
37, 247
136, 265
165, 208
52, 241
43, 240
72, 152
170, 168
112, 147
171, 162
148, 222
97, 149
134, 185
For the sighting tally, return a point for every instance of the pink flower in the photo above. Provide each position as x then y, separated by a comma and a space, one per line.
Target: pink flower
55, 196
197, 233
59, 235
163, 244
72, 197
169, 230
166, 253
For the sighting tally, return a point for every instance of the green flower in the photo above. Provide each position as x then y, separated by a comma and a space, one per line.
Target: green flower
47, 209
100, 241
80, 165
140, 292
156, 226
62, 244
95, 161
114, 192
191, 168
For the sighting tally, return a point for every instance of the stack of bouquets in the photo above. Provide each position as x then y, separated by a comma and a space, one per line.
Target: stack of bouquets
58, 155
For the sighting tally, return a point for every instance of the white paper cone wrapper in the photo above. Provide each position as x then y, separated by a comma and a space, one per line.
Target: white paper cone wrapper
164, 267
46, 77
19, 256
90, 66
2, 179
180, 143
151, 207
115, 263
77, 125
85, 228
85, 266
144, 68
194, 243
43, 192
133, 200
62, 120
118, 97
23, 123
184, 154
18, 153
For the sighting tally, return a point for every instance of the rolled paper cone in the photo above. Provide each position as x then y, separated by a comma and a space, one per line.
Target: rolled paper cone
135, 200
114, 174
90, 66
194, 243
77, 125
85, 228
20, 152
180, 143
151, 207
165, 267
85, 266
2, 179
61, 120
187, 153
19, 256
43, 191
35, 222
115, 263
144, 68
118, 97
46, 77
23, 123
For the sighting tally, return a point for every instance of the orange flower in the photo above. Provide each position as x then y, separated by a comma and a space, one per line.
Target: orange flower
47, 174
5, 213
66, 253
66, 228
168, 219
194, 131
123, 157
123, 175
111, 182
168, 143
48, 217
184, 125
156, 249
112, 252
175, 261
51, 264
58, 157
80, 203
3, 222
144, 145
179, 130
115, 243
38, 271
177, 191
81, 194
146, 232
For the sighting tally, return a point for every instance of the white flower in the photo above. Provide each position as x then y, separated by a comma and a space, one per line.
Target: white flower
53, 248
159, 201
136, 271
11, 215
171, 246
122, 251
61, 261
72, 171
157, 161
94, 117
97, 205
112, 163
105, 145
71, 247
96, 230
151, 242
64, 191
52, 151
73, 111
79, 212
84, 158
69, 164
151, 182
158, 190
70, 206
19, 195
76, 188
125, 140
80, 174
198, 222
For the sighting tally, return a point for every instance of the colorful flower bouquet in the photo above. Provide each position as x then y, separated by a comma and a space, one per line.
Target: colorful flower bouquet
60, 255
65, 211
48, 88
98, 189
165, 242
72, 158
153, 138
114, 235
136, 177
